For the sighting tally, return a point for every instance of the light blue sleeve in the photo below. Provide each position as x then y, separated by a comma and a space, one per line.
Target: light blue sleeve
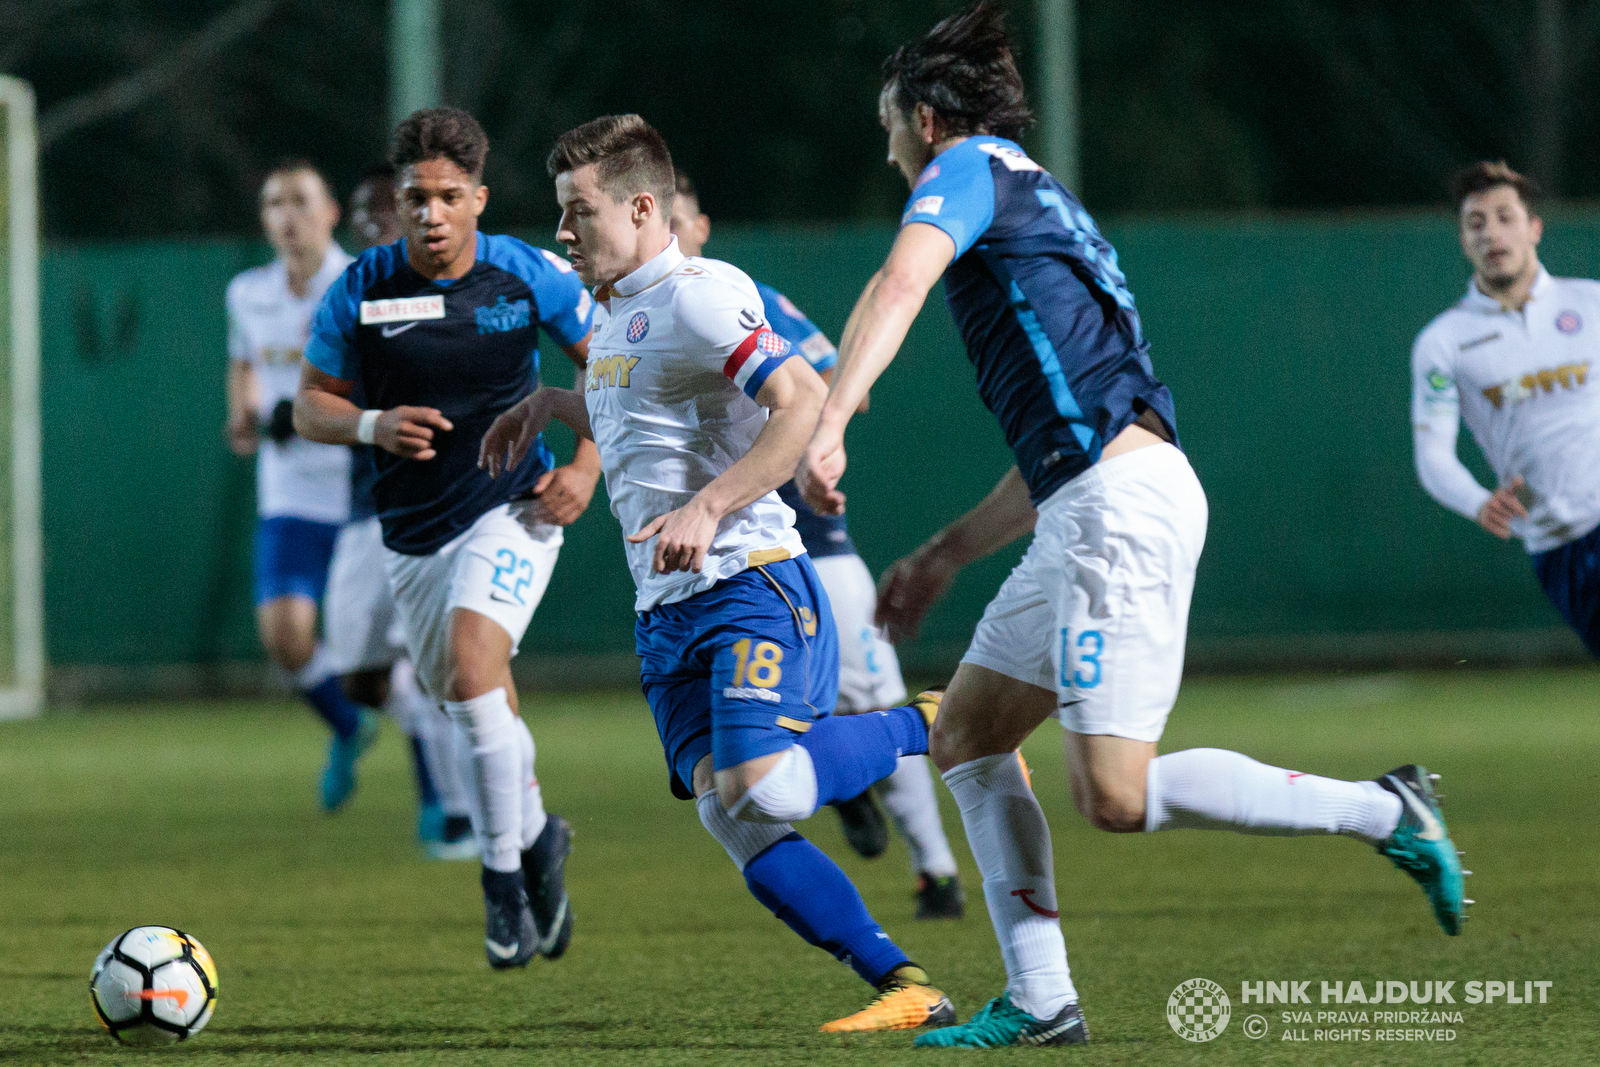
955, 192
333, 329
562, 304
790, 323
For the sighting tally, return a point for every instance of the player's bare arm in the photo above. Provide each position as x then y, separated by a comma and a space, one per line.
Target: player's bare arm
323, 412
564, 493
241, 426
915, 582
513, 433
872, 337
793, 395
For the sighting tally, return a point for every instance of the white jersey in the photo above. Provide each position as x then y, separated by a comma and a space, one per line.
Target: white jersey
267, 328
1525, 383
680, 348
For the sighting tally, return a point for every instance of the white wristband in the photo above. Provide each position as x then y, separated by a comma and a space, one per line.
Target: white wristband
367, 428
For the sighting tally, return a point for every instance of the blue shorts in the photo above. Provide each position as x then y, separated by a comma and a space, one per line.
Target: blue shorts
740, 670
292, 557
1570, 575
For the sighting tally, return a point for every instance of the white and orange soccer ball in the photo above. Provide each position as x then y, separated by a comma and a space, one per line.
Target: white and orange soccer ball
153, 985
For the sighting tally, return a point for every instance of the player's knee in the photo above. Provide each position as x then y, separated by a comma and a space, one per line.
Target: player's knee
956, 739
1114, 811
288, 649
785, 792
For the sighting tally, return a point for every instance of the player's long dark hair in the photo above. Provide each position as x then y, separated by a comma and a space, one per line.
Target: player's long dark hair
965, 70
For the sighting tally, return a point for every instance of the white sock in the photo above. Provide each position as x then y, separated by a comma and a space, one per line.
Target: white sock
533, 816
743, 841
497, 759
908, 796
450, 769
406, 704
1214, 789
318, 669
1011, 842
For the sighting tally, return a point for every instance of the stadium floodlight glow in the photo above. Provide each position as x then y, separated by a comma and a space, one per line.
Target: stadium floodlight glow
21, 588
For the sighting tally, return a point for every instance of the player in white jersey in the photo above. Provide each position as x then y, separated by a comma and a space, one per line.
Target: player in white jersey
869, 671
1515, 358
365, 637
700, 413
302, 488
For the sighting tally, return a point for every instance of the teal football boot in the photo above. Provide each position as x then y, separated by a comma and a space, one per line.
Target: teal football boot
1001, 1024
1421, 845
339, 774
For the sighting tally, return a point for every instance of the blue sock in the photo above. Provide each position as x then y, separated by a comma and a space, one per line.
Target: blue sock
426, 794
818, 901
851, 752
337, 710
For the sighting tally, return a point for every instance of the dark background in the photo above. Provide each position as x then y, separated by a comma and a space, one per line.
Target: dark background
1187, 104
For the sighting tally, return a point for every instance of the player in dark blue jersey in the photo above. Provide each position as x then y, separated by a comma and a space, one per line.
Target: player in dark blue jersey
439, 332
365, 639
1091, 625
869, 671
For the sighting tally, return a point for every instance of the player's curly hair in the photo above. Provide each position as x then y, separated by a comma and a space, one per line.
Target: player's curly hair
630, 154
1484, 175
964, 69
440, 133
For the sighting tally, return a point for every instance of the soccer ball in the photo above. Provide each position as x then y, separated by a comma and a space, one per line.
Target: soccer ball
153, 985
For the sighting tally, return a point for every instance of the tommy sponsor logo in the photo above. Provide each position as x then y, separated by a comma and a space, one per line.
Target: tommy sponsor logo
402, 309
638, 327
609, 371
1027, 898
1520, 390
745, 692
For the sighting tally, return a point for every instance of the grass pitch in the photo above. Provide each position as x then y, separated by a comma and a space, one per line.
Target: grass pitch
336, 941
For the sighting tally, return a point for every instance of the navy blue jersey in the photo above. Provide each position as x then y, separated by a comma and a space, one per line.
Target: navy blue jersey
363, 479
1045, 311
467, 347
823, 535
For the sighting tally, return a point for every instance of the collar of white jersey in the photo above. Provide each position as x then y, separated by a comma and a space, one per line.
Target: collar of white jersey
654, 269
1478, 300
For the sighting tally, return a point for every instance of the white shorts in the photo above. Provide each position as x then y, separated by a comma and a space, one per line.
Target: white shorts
1098, 609
869, 671
498, 567
362, 628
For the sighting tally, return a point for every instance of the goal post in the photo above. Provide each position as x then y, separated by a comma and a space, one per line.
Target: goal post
21, 577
